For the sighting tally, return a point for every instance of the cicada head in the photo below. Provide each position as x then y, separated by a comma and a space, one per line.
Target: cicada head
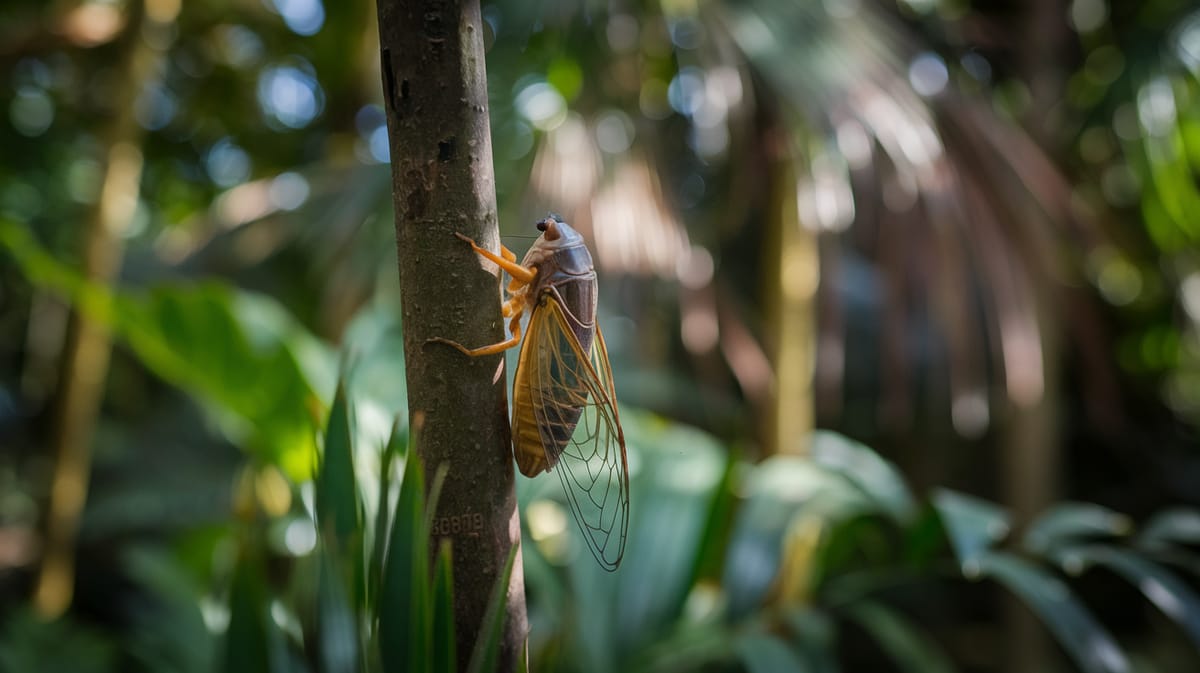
560, 245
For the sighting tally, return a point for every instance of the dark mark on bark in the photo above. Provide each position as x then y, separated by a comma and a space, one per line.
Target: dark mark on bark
404, 89
435, 23
389, 83
417, 197
446, 149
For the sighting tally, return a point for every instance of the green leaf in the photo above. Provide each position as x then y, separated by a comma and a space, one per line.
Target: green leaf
1171, 527
815, 638
912, 650
486, 653
247, 639
339, 510
973, 525
404, 615
781, 488
1174, 597
337, 634
28, 643
1086, 641
879, 479
443, 651
382, 515
1066, 523
240, 354
762, 653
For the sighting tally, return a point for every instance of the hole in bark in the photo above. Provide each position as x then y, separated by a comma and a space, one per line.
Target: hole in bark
446, 149
404, 89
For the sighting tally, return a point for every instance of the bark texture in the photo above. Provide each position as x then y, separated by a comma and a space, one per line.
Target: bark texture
435, 93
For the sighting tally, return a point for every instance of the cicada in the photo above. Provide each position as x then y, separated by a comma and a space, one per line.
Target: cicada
564, 408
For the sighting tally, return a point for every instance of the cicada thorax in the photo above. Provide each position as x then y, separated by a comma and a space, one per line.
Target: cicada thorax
546, 412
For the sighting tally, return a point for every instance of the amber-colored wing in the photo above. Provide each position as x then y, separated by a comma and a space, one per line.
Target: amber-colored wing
576, 413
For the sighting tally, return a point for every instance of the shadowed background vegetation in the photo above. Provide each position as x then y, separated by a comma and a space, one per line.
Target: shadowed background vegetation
902, 299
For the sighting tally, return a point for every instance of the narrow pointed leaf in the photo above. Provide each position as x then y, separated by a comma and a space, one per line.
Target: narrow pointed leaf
486, 652
337, 633
404, 618
762, 653
379, 540
443, 649
971, 524
247, 643
1085, 640
911, 650
338, 508
1159, 585
1070, 522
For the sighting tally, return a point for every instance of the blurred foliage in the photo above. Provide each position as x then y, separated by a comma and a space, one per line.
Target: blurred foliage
260, 256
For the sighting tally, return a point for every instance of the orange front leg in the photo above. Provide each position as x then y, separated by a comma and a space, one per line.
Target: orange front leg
506, 260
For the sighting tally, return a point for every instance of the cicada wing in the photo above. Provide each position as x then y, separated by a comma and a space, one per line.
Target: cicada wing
576, 413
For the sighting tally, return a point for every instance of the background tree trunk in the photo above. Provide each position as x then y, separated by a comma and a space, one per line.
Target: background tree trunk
88, 344
435, 93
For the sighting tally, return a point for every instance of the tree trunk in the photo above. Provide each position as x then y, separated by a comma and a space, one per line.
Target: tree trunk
791, 308
435, 93
88, 343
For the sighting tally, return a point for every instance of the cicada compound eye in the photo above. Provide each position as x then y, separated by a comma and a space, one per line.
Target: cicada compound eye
549, 228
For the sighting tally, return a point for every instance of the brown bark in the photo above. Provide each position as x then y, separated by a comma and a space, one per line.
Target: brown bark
435, 94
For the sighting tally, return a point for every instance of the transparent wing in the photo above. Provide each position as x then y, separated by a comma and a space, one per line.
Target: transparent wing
576, 413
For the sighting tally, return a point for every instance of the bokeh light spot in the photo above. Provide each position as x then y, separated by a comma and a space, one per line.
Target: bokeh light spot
31, 111
290, 96
304, 17
928, 74
227, 164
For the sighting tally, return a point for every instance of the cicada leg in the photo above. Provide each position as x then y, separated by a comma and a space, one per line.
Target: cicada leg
506, 260
512, 308
514, 326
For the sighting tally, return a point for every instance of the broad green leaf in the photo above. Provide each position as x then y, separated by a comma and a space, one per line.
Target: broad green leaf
486, 652
783, 491
1067, 523
673, 496
443, 653
1085, 640
911, 650
404, 614
762, 653
1174, 597
973, 525
238, 353
879, 479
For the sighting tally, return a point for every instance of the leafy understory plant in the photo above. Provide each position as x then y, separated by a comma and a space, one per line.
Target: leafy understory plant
831, 563
379, 602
